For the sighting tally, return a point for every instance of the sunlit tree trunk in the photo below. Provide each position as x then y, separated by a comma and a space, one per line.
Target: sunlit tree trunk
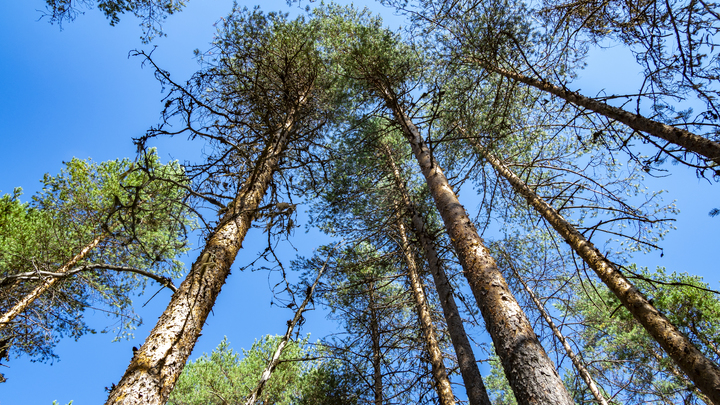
701, 370
678, 136
47, 283
474, 386
442, 383
529, 370
157, 365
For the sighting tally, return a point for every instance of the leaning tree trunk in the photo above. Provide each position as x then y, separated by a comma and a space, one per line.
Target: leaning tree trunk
575, 358
155, 368
275, 360
529, 370
678, 136
474, 386
701, 370
442, 382
47, 283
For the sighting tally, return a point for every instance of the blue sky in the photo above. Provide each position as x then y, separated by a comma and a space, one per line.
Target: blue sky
75, 93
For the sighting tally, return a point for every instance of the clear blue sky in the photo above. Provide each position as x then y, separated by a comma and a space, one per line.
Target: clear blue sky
75, 93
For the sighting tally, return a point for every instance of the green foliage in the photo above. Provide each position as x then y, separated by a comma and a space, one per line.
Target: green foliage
141, 223
497, 384
623, 355
380, 346
370, 57
226, 377
152, 13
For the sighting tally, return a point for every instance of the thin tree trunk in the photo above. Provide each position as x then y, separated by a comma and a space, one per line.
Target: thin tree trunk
680, 376
267, 372
678, 136
576, 359
47, 283
376, 354
474, 386
39, 275
701, 370
155, 368
442, 383
529, 370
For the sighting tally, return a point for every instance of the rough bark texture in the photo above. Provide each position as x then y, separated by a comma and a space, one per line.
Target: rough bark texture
156, 366
474, 386
442, 383
701, 370
49, 282
678, 136
527, 366
576, 359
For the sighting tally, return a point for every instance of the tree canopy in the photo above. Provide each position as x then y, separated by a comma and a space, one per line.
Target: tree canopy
378, 133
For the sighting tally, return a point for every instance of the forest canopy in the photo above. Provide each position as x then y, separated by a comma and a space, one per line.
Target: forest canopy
482, 228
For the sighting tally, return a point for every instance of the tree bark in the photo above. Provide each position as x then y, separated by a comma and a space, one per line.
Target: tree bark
47, 283
442, 383
686, 139
576, 359
376, 353
527, 366
155, 368
701, 370
474, 386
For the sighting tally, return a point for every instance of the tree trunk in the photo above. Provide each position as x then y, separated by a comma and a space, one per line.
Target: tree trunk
442, 383
680, 376
576, 359
376, 353
527, 366
701, 370
678, 136
474, 386
273, 363
155, 368
47, 283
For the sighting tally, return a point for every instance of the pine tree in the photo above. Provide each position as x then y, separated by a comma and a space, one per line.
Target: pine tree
264, 92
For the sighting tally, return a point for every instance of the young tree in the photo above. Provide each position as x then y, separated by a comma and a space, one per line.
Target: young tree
379, 345
226, 377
